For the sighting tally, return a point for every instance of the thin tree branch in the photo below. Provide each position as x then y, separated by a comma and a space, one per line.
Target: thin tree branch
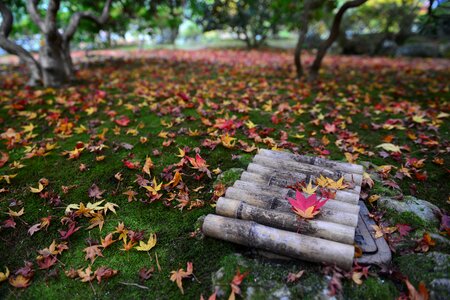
50, 18
34, 14
76, 18
334, 32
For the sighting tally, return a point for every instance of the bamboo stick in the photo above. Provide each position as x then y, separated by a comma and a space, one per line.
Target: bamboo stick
341, 196
269, 201
291, 165
273, 177
316, 161
287, 221
249, 233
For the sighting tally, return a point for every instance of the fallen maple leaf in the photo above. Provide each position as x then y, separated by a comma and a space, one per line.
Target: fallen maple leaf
149, 245
309, 188
15, 214
235, 284
122, 121
293, 277
148, 165
107, 241
94, 192
304, 207
155, 188
19, 281
178, 276
4, 275
389, 147
146, 273
92, 252
422, 294
104, 273
86, 274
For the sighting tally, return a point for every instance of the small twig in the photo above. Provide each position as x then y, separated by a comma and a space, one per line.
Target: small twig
157, 262
135, 284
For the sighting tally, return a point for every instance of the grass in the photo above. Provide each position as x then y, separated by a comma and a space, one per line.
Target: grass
357, 90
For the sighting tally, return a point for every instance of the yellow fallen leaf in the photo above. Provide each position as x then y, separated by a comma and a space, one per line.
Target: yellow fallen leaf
309, 189
4, 275
12, 213
373, 198
37, 190
149, 245
389, 147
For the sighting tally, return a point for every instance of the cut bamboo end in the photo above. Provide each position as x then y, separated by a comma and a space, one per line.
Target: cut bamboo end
287, 221
316, 161
252, 234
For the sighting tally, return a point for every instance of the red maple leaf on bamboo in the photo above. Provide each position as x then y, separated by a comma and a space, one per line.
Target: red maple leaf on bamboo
306, 207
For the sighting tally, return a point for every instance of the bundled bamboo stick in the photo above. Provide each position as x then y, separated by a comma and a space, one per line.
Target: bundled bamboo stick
283, 179
341, 196
321, 229
329, 212
316, 161
291, 165
249, 233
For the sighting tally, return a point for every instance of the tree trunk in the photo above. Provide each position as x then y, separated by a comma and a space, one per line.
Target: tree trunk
54, 64
334, 33
12, 48
304, 22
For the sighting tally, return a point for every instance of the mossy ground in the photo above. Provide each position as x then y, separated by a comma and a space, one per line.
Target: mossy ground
344, 87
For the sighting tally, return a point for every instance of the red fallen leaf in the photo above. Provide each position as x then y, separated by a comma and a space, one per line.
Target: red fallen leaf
4, 158
421, 176
306, 207
27, 270
92, 252
104, 273
131, 164
146, 273
9, 223
422, 294
199, 163
46, 262
65, 234
94, 192
183, 96
236, 282
403, 229
35, 228
330, 128
122, 121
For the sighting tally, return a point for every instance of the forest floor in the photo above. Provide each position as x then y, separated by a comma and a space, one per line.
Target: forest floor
148, 133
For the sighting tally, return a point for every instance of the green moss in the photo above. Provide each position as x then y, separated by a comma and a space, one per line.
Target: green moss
408, 218
379, 189
423, 267
372, 288
228, 177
